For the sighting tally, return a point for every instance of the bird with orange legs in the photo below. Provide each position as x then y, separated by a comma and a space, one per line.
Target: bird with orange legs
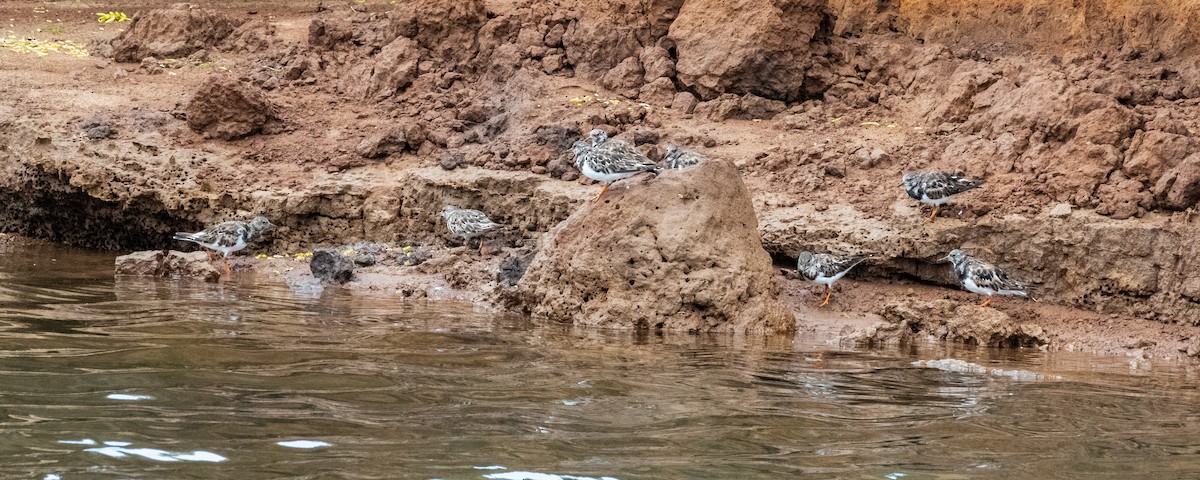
608, 160
978, 276
935, 187
227, 237
825, 269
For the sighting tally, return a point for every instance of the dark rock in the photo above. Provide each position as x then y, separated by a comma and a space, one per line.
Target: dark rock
513, 267
96, 128
331, 267
451, 161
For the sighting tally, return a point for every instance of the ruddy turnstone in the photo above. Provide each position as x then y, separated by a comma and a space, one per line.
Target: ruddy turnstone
824, 269
607, 161
984, 278
467, 223
227, 237
935, 187
679, 158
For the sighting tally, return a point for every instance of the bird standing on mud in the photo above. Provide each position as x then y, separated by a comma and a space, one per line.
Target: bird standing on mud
607, 161
981, 277
824, 269
935, 187
227, 237
467, 224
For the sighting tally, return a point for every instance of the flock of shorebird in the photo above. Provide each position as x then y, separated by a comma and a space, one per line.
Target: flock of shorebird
607, 160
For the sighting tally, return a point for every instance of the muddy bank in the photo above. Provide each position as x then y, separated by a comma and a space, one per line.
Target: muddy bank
356, 123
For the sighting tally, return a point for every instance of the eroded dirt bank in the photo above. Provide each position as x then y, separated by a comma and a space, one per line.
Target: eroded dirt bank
355, 122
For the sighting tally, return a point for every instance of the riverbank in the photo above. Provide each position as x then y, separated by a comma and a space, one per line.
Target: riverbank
354, 123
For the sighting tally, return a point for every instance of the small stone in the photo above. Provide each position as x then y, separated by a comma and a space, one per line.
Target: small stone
331, 267
684, 102
1061, 210
450, 161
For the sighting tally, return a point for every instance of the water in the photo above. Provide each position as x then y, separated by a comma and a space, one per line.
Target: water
137, 378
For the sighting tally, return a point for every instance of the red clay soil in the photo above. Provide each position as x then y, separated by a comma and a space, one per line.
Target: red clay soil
348, 121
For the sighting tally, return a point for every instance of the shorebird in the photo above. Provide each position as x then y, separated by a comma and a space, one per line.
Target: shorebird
824, 269
680, 158
467, 223
227, 237
981, 277
935, 187
607, 161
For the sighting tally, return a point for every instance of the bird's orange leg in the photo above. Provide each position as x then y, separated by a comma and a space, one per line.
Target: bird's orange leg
934, 214
828, 293
602, 190
209, 253
481, 247
986, 302
228, 271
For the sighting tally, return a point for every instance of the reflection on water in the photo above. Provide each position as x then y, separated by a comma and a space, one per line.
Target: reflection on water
143, 378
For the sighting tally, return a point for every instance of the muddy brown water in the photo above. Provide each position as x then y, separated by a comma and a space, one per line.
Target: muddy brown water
142, 378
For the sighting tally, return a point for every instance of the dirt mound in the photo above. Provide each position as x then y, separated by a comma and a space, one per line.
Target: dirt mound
227, 109
172, 32
679, 252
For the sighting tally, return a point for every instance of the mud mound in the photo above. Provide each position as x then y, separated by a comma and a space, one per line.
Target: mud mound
679, 252
171, 32
227, 109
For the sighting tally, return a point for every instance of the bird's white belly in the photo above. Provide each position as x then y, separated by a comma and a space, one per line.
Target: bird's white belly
828, 281
604, 177
939, 202
970, 285
225, 249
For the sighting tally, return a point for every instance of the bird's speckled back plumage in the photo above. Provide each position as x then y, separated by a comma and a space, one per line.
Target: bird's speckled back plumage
984, 274
678, 158
466, 223
227, 235
937, 185
610, 156
811, 265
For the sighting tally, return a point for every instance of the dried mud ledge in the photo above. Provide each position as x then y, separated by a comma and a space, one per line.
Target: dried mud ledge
358, 127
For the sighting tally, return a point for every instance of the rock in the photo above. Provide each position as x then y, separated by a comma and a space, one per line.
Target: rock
656, 62
607, 34
388, 73
552, 63
625, 76
554, 36
1179, 188
328, 34
1061, 210
451, 161
388, 141
630, 260
190, 264
147, 263
953, 322
96, 128
684, 102
331, 267
227, 109
447, 28
659, 93
1123, 199
157, 263
755, 46
173, 32
253, 36
513, 267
